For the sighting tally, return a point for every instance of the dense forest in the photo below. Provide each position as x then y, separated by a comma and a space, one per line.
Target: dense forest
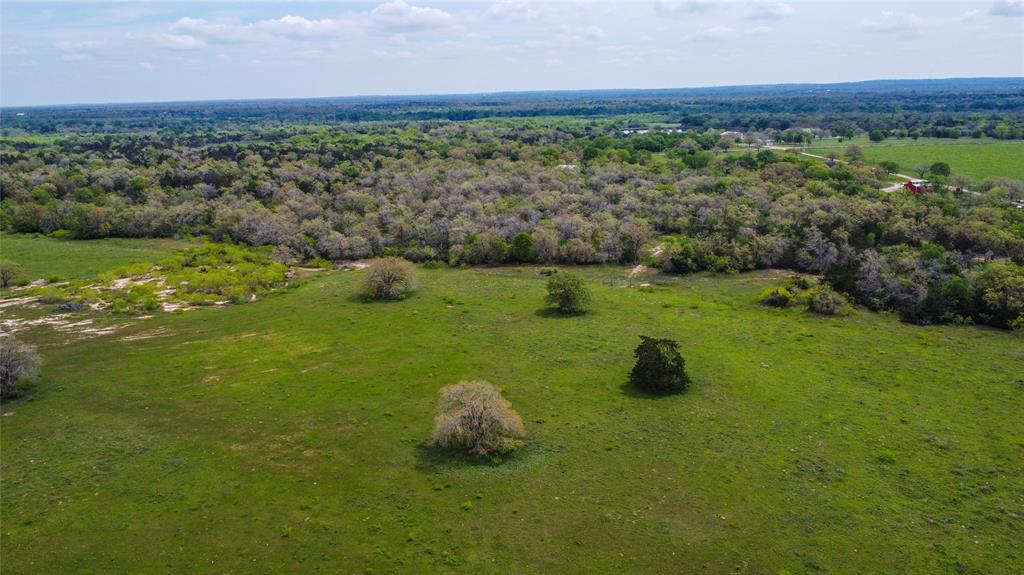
563, 190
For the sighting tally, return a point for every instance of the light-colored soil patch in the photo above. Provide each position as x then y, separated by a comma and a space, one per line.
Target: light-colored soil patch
638, 270
158, 332
18, 302
352, 265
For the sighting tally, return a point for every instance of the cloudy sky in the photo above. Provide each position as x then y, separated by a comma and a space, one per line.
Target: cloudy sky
78, 52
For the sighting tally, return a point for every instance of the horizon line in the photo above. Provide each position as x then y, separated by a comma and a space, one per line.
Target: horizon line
409, 96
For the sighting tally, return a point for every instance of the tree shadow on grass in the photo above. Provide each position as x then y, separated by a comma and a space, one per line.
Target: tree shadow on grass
362, 298
551, 312
434, 459
630, 390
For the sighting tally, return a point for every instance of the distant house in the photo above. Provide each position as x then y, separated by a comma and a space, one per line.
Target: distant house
915, 187
732, 134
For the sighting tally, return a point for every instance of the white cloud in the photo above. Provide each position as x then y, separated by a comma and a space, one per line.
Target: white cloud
512, 10
290, 27
890, 22
13, 51
180, 41
715, 34
76, 46
74, 57
678, 7
594, 33
1008, 8
398, 15
769, 10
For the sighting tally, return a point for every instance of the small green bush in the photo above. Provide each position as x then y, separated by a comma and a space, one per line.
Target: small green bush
776, 297
388, 278
567, 293
548, 271
803, 282
826, 301
433, 264
659, 368
11, 274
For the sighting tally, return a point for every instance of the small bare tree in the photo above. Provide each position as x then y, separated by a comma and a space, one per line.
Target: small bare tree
388, 278
18, 361
474, 416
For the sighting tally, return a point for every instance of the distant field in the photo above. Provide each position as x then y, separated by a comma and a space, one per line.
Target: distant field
44, 257
286, 435
977, 159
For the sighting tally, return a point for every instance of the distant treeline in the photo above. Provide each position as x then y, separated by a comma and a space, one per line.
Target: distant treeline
938, 108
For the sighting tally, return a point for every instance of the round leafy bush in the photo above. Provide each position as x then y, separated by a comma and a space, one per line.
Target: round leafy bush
474, 416
10, 274
826, 301
567, 293
777, 297
660, 368
388, 278
18, 361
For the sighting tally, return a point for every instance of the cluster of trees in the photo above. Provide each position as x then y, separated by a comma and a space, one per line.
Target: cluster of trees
554, 191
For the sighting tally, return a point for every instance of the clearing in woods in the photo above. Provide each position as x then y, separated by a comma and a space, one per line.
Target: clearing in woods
147, 450
975, 158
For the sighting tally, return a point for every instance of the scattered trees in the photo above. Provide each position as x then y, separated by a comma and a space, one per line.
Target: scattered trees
474, 416
567, 293
388, 278
18, 361
659, 367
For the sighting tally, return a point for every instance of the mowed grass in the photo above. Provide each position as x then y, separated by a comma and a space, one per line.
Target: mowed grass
287, 435
977, 159
45, 257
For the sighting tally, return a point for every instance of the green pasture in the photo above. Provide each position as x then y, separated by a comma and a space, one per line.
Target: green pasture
288, 435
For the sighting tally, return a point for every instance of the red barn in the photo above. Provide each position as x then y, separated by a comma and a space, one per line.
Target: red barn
915, 187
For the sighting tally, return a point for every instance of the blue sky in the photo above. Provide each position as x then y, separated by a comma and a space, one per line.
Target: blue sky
79, 52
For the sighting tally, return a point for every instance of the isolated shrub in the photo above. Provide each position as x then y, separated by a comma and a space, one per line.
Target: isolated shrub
826, 301
660, 368
433, 264
388, 278
567, 293
18, 361
474, 416
10, 274
776, 297
548, 271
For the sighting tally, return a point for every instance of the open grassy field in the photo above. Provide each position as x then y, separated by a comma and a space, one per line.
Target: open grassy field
975, 158
287, 435
43, 257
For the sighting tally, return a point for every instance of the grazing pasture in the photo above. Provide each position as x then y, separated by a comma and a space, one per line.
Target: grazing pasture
43, 257
290, 434
976, 159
